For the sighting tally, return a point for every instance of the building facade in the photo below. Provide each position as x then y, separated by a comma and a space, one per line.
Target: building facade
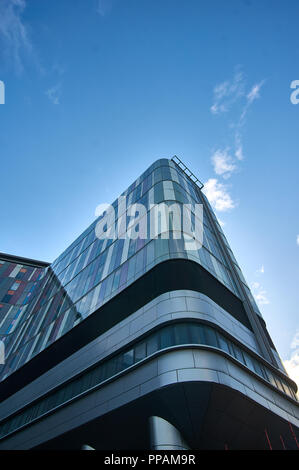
138, 343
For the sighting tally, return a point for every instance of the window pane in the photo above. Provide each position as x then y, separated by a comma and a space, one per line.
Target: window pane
223, 343
238, 353
258, 369
98, 375
152, 344
197, 334
166, 337
128, 358
248, 361
279, 384
211, 339
271, 377
111, 367
140, 352
181, 334
287, 389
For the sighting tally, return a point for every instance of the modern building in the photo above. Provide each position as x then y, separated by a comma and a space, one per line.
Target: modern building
140, 343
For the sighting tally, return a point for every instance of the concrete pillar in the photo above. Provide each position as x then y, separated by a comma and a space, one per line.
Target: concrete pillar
164, 436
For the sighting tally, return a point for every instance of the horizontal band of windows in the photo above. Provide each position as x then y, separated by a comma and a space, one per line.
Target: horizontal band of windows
167, 276
18, 344
174, 334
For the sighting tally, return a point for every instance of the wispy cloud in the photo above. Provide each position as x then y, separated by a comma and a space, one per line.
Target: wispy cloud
297, 240
218, 195
14, 37
260, 294
104, 7
54, 94
295, 341
227, 93
231, 95
238, 146
253, 95
292, 364
261, 270
255, 92
223, 163
292, 367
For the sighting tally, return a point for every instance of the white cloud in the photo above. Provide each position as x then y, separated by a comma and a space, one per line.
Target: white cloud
238, 146
261, 297
14, 37
255, 92
260, 294
295, 341
223, 164
292, 367
292, 364
250, 98
217, 195
261, 270
297, 240
54, 93
239, 153
226, 93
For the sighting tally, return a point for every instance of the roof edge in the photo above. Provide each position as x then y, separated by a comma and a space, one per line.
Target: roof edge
22, 260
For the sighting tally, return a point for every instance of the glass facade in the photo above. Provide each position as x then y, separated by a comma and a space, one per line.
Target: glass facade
91, 270
18, 284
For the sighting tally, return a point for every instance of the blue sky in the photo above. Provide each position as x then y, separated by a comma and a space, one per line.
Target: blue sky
96, 90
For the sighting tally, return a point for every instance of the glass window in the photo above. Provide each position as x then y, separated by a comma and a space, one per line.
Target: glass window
12, 424
211, 338
259, 369
287, 389
166, 337
248, 361
223, 343
271, 378
55, 402
112, 366
152, 344
116, 280
34, 412
238, 353
159, 195
131, 269
140, 352
181, 334
109, 285
197, 334
161, 247
5, 428
98, 374
279, 383
139, 261
128, 358
150, 252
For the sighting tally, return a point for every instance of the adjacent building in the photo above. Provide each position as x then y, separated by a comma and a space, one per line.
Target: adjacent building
138, 342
